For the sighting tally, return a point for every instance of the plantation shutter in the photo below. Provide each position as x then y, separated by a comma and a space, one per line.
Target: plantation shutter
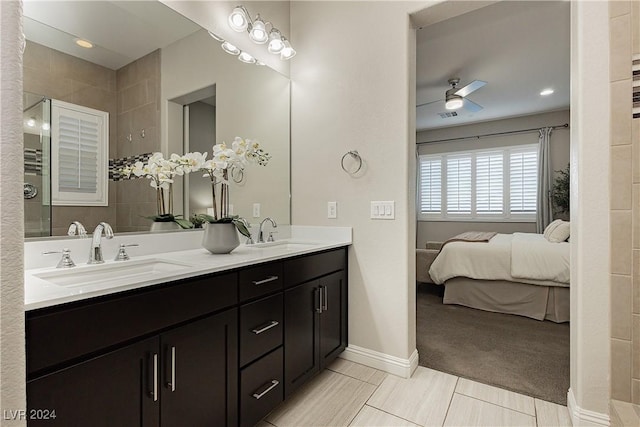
524, 181
430, 185
79, 155
489, 182
459, 184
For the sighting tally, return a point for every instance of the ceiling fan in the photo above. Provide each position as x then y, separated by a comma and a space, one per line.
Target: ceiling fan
457, 97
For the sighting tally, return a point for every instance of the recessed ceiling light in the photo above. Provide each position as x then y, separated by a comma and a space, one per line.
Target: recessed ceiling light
84, 43
546, 92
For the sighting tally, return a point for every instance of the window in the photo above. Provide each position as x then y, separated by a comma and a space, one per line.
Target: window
497, 184
79, 147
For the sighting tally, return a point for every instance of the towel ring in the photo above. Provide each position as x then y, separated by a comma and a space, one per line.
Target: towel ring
237, 175
354, 154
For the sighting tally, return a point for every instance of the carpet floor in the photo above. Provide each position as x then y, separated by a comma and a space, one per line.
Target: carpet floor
512, 352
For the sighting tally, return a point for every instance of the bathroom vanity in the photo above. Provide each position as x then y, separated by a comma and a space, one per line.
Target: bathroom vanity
207, 348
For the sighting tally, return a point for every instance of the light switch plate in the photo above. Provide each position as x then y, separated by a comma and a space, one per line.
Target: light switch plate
332, 210
383, 210
256, 210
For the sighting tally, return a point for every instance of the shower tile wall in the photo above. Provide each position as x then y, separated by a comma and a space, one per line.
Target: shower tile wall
138, 86
131, 97
56, 75
625, 204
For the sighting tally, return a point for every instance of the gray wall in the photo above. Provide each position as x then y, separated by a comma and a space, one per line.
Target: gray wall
442, 230
202, 137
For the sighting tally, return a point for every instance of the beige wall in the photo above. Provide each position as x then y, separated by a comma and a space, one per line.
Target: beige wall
56, 75
625, 205
138, 94
441, 230
353, 89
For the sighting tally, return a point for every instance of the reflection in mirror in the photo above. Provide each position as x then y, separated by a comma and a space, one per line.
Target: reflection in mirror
144, 86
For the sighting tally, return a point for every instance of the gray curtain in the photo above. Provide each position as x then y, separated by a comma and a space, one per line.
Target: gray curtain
545, 211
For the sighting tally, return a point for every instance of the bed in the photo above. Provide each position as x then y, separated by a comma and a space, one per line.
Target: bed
519, 273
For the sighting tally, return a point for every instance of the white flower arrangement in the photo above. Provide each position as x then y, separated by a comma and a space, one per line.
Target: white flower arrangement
225, 161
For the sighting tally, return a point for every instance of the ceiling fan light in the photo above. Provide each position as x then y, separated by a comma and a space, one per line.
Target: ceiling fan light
246, 58
258, 31
454, 102
230, 49
238, 19
275, 41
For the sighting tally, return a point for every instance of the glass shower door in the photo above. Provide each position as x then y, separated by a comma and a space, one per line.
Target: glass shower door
37, 154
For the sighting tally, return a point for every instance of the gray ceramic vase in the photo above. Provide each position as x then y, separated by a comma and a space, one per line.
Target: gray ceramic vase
220, 238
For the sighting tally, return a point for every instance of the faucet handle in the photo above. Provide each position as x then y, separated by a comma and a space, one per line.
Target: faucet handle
270, 238
66, 261
122, 253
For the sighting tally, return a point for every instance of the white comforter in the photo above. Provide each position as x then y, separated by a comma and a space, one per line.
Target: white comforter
518, 257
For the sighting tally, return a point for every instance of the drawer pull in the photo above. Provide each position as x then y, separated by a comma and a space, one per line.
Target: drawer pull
172, 382
274, 384
270, 325
154, 392
263, 281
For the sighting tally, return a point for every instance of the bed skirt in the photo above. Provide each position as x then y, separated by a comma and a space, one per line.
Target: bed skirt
534, 301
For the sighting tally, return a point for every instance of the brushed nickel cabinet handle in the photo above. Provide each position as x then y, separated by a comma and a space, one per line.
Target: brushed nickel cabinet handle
319, 301
155, 377
271, 324
325, 298
273, 384
172, 382
267, 280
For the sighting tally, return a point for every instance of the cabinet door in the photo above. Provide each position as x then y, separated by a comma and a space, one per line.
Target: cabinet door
115, 389
200, 373
333, 319
300, 334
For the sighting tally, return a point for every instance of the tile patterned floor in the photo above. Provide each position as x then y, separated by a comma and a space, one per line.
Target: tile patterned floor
350, 394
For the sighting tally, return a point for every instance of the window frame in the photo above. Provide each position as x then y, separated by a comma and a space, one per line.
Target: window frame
474, 216
101, 195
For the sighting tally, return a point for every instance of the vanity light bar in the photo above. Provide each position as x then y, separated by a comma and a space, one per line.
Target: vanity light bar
233, 50
240, 20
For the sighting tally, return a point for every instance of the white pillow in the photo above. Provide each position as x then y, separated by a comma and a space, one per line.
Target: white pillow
560, 233
550, 228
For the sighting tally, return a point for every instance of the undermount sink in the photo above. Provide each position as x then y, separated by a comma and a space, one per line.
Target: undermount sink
283, 244
121, 272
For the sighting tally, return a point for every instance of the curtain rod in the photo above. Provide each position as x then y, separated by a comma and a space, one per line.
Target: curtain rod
564, 126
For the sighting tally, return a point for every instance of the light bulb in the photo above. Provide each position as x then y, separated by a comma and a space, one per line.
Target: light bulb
287, 51
275, 41
258, 31
454, 103
238, 20
46, 126
229, 48
31, 122
245, 57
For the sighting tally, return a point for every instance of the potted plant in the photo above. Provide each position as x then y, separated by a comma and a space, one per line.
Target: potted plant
160, 172
561, 193
220, 234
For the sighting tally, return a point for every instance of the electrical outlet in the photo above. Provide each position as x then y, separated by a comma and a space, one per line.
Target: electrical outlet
383, 210
332, 210
256, 210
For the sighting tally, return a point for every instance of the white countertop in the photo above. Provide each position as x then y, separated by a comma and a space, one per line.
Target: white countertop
40, 293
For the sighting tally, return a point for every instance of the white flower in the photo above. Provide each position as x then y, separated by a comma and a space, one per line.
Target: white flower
193, 161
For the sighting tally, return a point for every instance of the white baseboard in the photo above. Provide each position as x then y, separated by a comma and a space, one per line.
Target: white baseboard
394, 365
583, 417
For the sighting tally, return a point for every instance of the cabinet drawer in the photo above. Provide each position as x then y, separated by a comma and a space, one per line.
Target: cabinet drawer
55, 336
300, 270
260, 280
260, 388
260, 327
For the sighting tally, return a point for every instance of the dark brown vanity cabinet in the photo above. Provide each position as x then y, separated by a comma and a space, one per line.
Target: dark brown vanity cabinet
215, 350
315, 316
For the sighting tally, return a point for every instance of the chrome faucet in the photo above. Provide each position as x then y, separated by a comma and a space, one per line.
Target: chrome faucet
77, 227
95, 254
261, 232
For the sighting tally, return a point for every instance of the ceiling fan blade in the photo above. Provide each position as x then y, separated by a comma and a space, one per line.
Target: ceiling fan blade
471, 87
471, 106
429, 103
